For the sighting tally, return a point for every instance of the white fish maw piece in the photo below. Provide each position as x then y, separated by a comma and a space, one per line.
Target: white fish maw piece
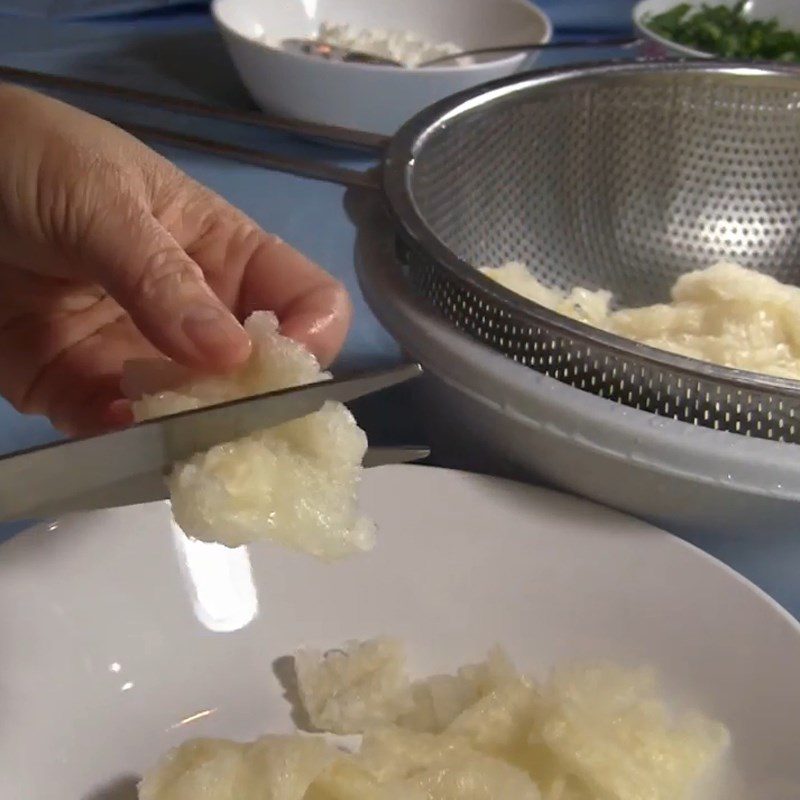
495, 671
438, 700
362, 686
271, 768
592, 732
441, 766
346, 780
201, 769
608, 727
295, 484
725, 314
283, 767
475, 777
582, 304
391, 754
500, 723
276, 362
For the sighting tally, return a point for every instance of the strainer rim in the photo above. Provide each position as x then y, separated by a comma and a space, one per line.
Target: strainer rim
398, 166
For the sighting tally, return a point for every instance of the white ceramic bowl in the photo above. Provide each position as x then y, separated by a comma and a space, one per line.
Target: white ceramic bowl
360, 96
787, 12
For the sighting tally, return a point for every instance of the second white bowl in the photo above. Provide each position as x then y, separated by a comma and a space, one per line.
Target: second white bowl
364, 97
787, 12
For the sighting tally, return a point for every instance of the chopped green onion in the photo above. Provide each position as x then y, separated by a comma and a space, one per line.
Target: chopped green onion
726, 31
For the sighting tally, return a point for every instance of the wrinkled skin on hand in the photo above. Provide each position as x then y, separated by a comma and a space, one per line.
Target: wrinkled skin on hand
110, 253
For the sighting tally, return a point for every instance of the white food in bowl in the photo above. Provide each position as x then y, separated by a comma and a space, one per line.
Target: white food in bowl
366, 97
403, 46
590, 732
294, 484
725, 314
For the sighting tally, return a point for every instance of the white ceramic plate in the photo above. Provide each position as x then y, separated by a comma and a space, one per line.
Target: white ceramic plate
117, 640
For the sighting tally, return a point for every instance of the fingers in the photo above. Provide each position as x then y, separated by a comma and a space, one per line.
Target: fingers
254, 271
77, 384
97, 411
139, 263
80, 390
320, 320
90, 208
39, 319
79, 204
312, 307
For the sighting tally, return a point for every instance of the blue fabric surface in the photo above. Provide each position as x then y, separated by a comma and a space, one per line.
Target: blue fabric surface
588, 15
87, 9
163, 51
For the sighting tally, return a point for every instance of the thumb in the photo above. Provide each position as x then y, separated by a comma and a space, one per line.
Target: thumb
138, 262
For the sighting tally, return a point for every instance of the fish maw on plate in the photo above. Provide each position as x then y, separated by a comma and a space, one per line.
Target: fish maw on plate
392, 754
346, 780
201, 769
478, 777
356, 688
500, 722
439, 699
270, 768
282, 767
496, 670
294, 484
442, 767
608, 727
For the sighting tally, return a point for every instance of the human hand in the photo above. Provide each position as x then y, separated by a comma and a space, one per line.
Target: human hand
110, 253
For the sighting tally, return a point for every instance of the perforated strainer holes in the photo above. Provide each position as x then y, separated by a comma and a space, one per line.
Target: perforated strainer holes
669, 393
621, 187
619, 183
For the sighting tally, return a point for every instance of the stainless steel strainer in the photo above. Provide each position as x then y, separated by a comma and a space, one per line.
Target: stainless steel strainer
613, 176
619, 177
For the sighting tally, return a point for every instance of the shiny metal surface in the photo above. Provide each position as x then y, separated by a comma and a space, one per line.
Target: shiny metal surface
127, 466
348, 137
332, 52
619, 177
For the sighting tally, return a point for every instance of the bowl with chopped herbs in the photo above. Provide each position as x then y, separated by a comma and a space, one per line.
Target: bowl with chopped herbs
758, 30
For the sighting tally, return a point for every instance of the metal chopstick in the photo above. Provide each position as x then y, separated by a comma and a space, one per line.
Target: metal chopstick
296, 166
345, 136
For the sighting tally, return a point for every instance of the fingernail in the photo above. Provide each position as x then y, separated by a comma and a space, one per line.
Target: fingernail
217, 334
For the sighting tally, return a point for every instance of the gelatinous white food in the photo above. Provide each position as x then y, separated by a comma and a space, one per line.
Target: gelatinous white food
595, 732
725, 314
360, 686
270, 768
294, 484
399, 45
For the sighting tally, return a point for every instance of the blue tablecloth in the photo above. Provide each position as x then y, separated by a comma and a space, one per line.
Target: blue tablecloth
573, 14
176, 50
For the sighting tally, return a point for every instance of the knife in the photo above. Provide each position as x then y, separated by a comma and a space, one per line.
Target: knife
128, 466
